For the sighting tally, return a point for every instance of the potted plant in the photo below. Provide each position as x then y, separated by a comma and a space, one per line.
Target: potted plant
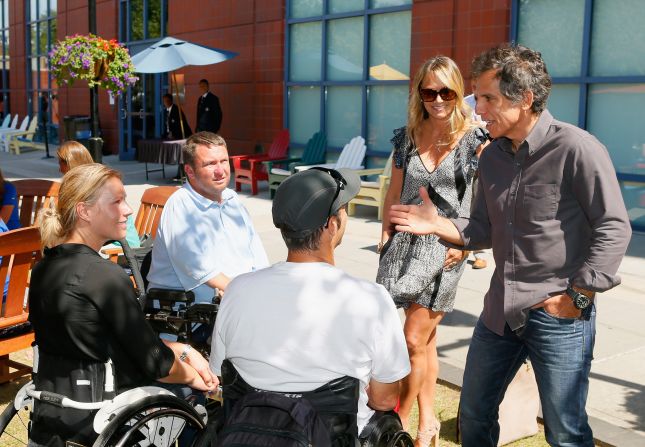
100, 62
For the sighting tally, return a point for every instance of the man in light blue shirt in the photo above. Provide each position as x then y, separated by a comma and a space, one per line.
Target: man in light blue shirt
205, 236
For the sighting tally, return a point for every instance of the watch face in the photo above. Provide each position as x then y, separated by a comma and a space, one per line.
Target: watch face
581, 301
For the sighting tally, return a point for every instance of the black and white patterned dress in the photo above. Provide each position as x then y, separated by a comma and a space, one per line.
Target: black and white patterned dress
412, 267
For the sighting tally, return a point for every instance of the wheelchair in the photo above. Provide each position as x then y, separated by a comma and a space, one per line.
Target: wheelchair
336, 403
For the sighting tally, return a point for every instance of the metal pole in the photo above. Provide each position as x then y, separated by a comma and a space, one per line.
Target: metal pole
96, 143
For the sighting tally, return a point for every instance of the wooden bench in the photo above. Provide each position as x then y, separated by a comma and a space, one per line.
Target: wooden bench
19, 249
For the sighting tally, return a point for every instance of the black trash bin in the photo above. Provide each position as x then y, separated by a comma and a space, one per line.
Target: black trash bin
79, 128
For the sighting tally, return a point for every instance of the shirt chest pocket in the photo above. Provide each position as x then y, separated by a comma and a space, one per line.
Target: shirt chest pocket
540, 202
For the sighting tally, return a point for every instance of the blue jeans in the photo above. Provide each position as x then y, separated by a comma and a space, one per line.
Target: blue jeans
560, 350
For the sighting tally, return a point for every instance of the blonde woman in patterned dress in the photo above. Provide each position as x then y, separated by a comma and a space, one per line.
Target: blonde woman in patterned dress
438, 147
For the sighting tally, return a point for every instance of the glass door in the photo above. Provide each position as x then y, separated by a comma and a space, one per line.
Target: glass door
140, 108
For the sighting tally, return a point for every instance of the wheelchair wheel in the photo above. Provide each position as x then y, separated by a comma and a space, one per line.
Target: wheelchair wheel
14, 426
156, 421
388, 433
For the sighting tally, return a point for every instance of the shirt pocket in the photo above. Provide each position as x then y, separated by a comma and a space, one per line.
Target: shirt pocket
540, 202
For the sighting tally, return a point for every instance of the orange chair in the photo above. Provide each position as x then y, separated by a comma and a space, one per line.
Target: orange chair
249, 168
34, 194
147, 220
19, 250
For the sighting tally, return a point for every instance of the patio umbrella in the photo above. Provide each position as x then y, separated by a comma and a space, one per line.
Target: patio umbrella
170, 54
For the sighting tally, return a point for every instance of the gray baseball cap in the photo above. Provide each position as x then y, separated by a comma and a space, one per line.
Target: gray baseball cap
305, 200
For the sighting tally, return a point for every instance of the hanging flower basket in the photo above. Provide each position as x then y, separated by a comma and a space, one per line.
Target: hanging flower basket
100, 62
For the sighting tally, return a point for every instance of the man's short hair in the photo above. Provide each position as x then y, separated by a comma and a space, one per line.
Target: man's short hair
310, 242
519, 70
168, 96
203, 138
203, 81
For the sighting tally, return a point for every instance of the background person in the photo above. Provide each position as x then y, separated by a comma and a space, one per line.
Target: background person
209, 112
205, 235
301, 323
550, 206
172, 126
84, 311
439, 141
9, 212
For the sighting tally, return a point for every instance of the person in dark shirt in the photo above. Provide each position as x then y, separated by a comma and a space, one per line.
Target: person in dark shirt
173, 129
84, 312
209, 112
549, 205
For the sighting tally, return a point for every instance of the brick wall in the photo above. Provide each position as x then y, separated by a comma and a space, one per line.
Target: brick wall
459, 29
249, 86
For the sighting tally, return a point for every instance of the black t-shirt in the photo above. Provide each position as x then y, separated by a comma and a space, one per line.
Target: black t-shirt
84, 310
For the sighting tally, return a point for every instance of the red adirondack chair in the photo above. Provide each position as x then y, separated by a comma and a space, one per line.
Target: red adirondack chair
249, 168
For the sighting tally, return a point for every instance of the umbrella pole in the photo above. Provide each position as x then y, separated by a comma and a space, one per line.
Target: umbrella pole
175, 90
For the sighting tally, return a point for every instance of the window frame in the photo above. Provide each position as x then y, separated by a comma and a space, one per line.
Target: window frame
365, 83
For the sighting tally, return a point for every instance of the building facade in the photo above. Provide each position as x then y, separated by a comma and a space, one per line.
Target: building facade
340, 66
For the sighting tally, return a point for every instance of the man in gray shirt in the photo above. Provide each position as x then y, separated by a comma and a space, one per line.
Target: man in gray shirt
549, 205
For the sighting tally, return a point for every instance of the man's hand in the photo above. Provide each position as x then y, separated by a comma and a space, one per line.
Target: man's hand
560, 306
416, 219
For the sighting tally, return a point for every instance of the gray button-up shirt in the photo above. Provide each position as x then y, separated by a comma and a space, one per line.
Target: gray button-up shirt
553, 214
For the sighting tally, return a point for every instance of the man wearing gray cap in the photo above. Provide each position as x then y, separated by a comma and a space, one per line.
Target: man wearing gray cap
302, 323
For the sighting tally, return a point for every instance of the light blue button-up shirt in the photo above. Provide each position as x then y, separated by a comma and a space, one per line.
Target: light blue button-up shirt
198, 238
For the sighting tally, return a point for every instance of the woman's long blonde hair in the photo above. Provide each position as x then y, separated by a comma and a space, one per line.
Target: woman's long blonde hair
73, 154
80, 184
446, 70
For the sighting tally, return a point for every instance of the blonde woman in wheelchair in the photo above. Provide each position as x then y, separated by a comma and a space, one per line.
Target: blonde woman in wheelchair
93, 341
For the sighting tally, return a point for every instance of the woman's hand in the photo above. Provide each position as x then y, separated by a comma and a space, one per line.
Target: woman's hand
454, 257
200, 365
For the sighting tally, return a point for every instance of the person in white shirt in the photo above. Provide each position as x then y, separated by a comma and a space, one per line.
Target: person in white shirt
205, 236
301, 323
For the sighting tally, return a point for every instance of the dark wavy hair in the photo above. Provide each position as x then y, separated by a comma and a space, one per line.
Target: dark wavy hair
519, 70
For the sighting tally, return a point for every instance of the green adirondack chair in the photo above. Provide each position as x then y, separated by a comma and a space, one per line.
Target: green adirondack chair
314, 153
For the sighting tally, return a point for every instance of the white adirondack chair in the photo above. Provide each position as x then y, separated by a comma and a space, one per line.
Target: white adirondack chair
5, 122
13, 126
372, 193
6, 133
351, 157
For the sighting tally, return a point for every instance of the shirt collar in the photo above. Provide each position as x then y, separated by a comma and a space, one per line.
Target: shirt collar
204, 95
534, 140
536, 137
227, 195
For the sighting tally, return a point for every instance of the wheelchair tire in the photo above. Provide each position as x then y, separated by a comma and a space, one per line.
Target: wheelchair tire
388, 433
14, 426
154, 421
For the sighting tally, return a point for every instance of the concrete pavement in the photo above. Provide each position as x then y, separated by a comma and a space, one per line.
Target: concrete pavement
616, 401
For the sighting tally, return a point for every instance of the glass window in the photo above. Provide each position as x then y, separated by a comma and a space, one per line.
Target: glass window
564, 102
616, 116
344, 111
154, 18
543, 22
386, 110
388, 3
388, 34
354, 101
304, 113
618, 38
305, 51
306, 8
136, 20
338, 6
345, 49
